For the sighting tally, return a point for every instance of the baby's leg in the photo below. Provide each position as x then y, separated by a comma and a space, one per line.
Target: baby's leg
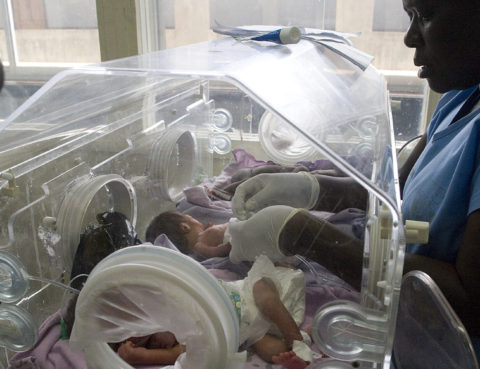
268, 347
268, 302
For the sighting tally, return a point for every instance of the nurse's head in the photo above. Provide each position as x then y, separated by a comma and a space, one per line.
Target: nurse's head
446, 38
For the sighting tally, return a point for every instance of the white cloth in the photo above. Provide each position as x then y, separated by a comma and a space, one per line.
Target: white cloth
302, 348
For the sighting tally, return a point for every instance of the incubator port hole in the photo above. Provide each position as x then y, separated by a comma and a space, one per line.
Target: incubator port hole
13, 284
86, 199
172, 164
5, 279
282, 143
18, 330
197, 309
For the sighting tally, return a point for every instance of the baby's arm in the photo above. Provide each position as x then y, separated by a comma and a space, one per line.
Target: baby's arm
212, 251
143, 356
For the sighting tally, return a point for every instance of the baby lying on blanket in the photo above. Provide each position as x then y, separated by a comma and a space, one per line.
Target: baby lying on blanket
189, 235
159, 348
239, 240
270, 303
243, 240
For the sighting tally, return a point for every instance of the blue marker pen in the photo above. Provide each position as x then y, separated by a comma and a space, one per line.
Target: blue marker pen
289, 35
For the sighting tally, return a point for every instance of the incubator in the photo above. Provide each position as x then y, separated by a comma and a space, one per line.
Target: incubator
138, 135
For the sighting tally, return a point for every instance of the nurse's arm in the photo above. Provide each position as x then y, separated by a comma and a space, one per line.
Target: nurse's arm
342, 254
404, 171
317, 239
338, 193
459, 282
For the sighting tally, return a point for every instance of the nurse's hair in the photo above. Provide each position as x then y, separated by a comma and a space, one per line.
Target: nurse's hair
168, 223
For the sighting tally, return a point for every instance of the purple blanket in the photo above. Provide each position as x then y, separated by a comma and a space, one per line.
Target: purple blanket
50, 351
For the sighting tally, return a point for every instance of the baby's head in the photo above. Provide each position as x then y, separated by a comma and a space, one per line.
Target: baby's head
181, 229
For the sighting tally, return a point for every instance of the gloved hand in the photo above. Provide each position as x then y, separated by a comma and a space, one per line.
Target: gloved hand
294, 189
259, 234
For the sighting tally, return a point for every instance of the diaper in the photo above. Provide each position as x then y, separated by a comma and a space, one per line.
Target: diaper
290, 285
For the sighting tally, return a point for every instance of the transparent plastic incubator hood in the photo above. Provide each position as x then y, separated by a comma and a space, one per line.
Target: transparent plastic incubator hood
138, 135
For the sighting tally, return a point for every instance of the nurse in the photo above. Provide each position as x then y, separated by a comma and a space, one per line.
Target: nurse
440, 181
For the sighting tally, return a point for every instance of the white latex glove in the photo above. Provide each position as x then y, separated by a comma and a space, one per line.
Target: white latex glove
299, 190
259, 234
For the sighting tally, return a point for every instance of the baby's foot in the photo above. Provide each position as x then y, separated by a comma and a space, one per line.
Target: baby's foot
289, 360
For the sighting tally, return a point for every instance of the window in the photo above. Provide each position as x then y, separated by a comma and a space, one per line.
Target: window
382, 24
308, 13
388, 15
183, 22
39, 37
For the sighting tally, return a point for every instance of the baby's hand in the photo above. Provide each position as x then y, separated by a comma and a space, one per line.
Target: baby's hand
131, 354
179, 349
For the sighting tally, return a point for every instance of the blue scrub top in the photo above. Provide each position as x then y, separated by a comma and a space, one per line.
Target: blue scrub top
443, 187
